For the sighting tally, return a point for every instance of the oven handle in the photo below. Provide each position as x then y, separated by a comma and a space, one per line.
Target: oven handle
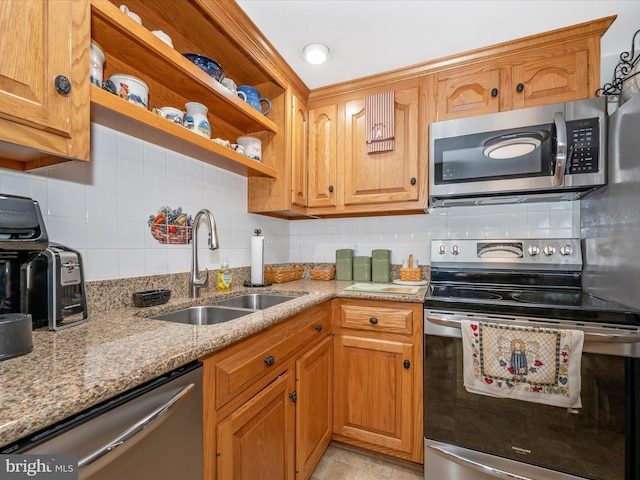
467, 462
588, 335
561, 149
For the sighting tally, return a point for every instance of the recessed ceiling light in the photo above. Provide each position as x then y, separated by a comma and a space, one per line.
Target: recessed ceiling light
316, 53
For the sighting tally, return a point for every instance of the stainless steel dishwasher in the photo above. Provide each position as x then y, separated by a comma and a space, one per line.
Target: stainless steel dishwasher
153, 431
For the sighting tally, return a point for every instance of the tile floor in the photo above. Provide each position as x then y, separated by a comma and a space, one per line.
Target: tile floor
341, 463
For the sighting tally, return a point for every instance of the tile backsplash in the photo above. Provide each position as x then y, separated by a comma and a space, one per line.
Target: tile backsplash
101, 208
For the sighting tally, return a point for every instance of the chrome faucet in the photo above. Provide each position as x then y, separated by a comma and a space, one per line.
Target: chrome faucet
212, 241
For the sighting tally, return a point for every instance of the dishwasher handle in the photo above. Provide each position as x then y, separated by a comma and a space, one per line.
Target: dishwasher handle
136, 432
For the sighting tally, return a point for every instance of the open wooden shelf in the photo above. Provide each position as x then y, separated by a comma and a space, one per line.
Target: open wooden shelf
114, 112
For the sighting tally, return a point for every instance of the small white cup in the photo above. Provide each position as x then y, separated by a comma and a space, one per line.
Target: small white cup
136, 18
164, 37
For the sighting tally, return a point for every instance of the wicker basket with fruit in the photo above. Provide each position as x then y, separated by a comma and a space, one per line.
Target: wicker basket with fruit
171, 226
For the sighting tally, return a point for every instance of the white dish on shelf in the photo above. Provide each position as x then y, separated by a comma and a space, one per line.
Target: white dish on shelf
411, 282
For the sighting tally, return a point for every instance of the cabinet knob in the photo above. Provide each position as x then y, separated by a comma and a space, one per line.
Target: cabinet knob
373, 321
63, 85
269, 360
406, 364
293, 396
413, 180
319, 327
330, 188
494, 92
520, 87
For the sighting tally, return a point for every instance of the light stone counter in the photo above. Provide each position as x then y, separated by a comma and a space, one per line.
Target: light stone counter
71, 370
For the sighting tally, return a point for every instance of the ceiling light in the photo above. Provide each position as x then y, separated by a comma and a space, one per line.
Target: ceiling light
316, 53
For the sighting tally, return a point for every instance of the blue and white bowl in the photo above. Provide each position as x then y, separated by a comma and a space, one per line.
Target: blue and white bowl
210, 66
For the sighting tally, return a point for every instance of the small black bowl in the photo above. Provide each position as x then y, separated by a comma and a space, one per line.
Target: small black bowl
210, 66
149, 298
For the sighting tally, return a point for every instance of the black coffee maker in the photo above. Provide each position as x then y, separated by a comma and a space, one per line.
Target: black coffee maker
22, 237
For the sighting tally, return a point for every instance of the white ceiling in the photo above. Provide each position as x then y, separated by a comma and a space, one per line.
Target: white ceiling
372, 36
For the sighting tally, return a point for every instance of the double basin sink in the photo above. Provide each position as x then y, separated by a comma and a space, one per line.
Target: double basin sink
224, 310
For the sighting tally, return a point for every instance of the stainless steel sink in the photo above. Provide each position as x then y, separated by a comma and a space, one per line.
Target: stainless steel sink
202, 315
254, 301
224, 310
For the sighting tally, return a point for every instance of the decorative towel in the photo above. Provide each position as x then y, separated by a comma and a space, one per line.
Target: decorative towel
525, 363
380, 122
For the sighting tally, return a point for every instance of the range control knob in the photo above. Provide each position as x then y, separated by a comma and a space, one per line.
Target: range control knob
549, 250
566, 250
455, 250
533, 250
442, 250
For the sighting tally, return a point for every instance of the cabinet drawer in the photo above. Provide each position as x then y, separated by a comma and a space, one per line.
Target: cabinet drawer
377, 318
243, 364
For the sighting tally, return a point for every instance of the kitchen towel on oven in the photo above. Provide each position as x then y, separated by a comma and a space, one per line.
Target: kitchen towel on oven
380, 121
526, 363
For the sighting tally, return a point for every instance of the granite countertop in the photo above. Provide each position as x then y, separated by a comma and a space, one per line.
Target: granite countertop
74, 369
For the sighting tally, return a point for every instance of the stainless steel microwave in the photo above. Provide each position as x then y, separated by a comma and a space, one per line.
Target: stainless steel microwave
552, 152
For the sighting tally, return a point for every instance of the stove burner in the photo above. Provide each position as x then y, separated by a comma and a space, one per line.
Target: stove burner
561, 298
465, 293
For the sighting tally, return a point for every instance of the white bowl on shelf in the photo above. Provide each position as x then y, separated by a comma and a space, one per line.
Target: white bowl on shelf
132, 89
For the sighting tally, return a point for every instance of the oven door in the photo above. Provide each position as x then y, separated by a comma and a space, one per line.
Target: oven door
471, 436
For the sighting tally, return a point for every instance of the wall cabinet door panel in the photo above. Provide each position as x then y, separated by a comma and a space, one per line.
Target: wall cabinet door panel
382, 176
323, 156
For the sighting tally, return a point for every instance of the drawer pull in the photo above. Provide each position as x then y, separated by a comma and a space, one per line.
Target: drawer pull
269, 360
319, 327
373, 321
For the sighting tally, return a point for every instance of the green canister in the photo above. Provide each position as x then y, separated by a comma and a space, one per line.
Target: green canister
381, 265
344, 264
362, 268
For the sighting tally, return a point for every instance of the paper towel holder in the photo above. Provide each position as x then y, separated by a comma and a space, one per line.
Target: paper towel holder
249, 283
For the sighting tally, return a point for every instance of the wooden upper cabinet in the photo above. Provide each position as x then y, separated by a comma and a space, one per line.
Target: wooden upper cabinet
45, 41
390, 176
323, 154
299, 154
553, 74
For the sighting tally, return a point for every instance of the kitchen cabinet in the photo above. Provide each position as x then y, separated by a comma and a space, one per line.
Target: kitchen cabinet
259, 418
210, 27
44, 83
552, 74
344, 179
383, 177
323, 156
378, 376
299, 151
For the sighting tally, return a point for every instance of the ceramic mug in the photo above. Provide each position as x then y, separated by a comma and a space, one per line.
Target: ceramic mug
196, 119
231, 86
253, 98
136, 18
164, 37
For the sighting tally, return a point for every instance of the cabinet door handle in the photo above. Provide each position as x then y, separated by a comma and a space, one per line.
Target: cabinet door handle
330, 188
520, 87
293, 396
413, 180
406, 364
373, 321
269, 360
319, 327
63, 85
494, 92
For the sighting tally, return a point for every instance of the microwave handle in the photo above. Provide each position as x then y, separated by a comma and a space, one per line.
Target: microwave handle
561, 149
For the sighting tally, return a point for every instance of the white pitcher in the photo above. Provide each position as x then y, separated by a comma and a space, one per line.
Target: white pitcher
196, 119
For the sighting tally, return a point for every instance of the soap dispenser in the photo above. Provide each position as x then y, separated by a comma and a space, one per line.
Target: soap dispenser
224, 277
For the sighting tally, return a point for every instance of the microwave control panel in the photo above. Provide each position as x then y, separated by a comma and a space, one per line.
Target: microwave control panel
583, 145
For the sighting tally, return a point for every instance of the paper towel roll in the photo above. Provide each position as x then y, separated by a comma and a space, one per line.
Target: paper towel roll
257, 260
